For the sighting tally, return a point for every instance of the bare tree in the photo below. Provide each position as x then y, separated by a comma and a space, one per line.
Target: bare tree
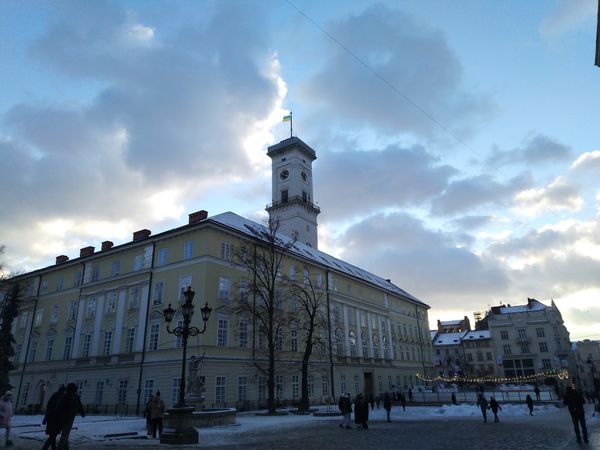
262, 259
312, 321
10, 294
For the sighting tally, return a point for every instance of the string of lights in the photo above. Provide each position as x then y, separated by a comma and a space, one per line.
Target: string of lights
562, 374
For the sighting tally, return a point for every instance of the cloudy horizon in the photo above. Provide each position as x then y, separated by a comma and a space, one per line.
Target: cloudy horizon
456, 143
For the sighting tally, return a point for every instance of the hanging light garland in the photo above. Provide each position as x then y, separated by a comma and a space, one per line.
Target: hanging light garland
562, 374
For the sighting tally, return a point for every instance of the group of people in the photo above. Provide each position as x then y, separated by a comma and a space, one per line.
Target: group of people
154, 414
61, 410
485, 405
361, 409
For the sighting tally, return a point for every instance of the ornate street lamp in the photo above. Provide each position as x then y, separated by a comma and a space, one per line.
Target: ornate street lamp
185, 331
180, 426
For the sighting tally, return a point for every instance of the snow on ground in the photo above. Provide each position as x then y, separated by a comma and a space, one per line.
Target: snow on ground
95, 428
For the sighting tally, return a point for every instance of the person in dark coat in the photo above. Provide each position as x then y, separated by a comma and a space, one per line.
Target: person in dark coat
361, 411
402, 401
453, 399
157, 412
410, 395
537, 392
51, 418
67, 408
529, 402
345, 406
387, 404
495, 407
483, 404
574, 401
148, 417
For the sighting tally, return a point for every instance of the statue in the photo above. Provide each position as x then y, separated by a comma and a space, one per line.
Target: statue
195, 385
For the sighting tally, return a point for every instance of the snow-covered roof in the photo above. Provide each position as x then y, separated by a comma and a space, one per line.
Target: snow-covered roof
477, 334
253, 229
451, 322
449, 338
433, 333
532, 305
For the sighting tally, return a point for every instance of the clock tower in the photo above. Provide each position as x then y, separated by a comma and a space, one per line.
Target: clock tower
292, 190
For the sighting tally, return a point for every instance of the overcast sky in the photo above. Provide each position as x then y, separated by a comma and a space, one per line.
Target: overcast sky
457, 142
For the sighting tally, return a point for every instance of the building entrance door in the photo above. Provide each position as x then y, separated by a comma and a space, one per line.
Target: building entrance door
368, 388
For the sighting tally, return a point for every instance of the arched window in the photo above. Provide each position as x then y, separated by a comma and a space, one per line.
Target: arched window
375, 346
353, 347
386, 348
339, 342
365, 345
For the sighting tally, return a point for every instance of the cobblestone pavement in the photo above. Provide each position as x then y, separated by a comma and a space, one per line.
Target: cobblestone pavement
522, 433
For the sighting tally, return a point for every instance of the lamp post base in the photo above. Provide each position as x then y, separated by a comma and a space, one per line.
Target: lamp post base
179, 427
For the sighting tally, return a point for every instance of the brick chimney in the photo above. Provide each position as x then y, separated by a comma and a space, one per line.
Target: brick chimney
86, 251
106, 245
141, 234
61, 259
197, 216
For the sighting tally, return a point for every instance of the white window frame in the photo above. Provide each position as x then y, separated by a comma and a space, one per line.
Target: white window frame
162, 256
188, 249
154, 337
185, 281
224, 288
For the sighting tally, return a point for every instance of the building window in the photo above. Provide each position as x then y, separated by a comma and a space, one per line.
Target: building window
60, 283
154, 335
115, 268
284, 196
39, 315
99, 392
54, 313
294, 339
339, 343
365, 345
546, 363
279, 387
134, 297
242, 388
111, 302
188, 250
279, 340
325, 386
356, 385
292, 272
225, 251
379, 383
107, 343
77, 279
137, 263
162, 257
159, 292
96, 273
488, 356
17, 356
185, 281
87, 343
319, 280
32, 351
262, 388
479, 356
543, 347
295, 387
524, 348
72, 315
175, 390
311, 386
375, 346
243, 334
67, 347
91, 308
224, 288
343, 383
179, 339
353, 347
540, 332
507, 350
469, 357
129, 340
504, 335
49, 346
148, 390
222, 331
122, 392
522, 333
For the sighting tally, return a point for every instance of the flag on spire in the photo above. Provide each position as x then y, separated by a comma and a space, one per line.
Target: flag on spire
287, 118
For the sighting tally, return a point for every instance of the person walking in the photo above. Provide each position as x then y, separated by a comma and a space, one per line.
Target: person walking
402, 401
574, 401
67, 408
361, 411
387, 404
529, 402
483, 405
453, 399
345, 406
51, 419
495, 407
6, 414
148, 417
537, 392
157, 412
410, 395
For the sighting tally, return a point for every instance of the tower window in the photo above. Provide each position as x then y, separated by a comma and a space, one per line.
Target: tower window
304, 196
284, 196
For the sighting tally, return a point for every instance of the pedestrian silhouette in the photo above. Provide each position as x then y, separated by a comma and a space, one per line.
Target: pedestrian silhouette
574, 401
529, 402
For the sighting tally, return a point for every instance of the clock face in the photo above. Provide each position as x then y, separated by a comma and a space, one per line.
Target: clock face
284, 174
303, 176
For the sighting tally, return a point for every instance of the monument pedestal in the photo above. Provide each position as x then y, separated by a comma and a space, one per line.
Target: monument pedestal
179, 427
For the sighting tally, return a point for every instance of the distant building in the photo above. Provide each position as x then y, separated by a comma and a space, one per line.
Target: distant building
585, 367
454, 326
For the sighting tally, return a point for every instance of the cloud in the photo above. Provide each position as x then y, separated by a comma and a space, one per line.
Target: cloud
584, 317
470, 193
357, 182
472, 222
415, 71
537, 150
561, 194
587, 161
427, 263
566, 15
